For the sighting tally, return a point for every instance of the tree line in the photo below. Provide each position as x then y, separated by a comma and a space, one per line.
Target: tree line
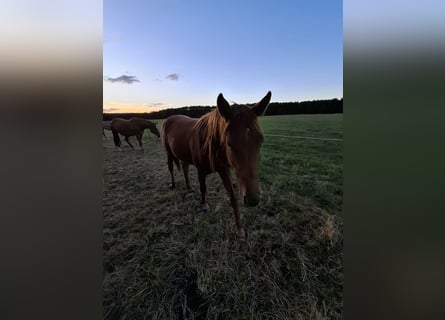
275, 108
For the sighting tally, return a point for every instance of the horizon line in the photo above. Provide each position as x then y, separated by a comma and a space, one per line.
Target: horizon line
211, 106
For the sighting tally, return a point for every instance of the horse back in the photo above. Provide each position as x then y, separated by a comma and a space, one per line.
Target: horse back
116, 123
124, 127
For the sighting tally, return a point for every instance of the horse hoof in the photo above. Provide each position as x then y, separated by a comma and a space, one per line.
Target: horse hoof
205, 208
172, 187
242, 233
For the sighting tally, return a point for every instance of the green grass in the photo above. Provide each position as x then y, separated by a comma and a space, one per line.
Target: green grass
163, 259
310, 168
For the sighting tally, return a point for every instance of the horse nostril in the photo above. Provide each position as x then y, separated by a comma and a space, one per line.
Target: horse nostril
251, 202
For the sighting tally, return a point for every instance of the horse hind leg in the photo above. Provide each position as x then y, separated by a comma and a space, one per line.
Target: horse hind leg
185, 170
116, 140
178, 165
128, 141
170, 168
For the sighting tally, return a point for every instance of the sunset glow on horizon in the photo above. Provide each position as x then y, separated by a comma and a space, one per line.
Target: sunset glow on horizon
117, 107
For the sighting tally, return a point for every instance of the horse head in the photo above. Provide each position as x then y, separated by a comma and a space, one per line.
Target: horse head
154, 130
242, 139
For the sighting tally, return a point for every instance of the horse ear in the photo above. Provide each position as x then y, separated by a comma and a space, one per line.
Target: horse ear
260, 107
223, 107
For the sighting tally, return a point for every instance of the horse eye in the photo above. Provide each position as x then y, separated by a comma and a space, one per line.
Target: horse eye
229, 144
261, 139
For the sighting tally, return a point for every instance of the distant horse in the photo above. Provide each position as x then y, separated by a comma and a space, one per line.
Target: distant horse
106, 125
131, 127
227, 137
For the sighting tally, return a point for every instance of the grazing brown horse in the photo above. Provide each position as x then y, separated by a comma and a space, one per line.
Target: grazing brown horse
227, 137
131, 127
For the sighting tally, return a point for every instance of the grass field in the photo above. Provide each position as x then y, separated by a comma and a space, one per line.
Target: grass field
164, 259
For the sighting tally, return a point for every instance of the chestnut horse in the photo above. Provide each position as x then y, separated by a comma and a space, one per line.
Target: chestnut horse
227, 137
131, 127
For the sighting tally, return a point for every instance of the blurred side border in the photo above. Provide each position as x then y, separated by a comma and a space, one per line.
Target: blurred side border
51, 160
394, 72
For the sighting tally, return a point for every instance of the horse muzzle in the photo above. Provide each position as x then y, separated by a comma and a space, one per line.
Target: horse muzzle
251, 201
249, 191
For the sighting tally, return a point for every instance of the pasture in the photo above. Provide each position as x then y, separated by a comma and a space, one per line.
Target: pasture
164, 259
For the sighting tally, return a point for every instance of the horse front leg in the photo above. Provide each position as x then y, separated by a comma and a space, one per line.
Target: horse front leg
203, 189
170, 168
227, 181
185, 170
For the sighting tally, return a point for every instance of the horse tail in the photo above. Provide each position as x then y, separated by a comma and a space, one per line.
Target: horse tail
164, 140
116, 139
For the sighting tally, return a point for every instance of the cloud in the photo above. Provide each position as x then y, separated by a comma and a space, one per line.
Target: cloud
173, 77
154, 105
123, 78
150, 106
110, 109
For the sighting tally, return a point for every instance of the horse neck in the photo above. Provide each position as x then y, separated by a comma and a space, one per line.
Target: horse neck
144, 124
147, 124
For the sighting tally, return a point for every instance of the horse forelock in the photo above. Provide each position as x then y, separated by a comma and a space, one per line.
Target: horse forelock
211, 130
243, 114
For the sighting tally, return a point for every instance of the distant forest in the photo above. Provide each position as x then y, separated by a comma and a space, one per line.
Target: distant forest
275, 108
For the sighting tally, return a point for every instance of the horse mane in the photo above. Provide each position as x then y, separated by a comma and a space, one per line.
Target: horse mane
211, 129
141, 121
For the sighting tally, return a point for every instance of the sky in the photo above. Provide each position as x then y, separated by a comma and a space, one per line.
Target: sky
161, 54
